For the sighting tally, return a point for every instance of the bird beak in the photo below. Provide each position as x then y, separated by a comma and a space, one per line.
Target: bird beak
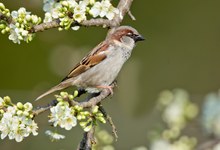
139, 38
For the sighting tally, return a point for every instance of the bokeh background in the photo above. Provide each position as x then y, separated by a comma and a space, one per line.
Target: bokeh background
181, 50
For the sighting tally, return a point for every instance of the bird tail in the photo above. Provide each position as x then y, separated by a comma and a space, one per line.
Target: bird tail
58, 87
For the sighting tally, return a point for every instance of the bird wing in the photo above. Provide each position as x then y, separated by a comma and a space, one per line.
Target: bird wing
93, 58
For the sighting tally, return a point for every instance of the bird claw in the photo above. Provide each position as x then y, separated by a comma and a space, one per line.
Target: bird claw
110, 88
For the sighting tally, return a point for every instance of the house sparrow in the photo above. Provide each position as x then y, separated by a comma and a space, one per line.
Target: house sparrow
100, 67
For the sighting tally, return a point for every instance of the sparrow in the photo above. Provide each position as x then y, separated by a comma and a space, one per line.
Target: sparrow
100, 67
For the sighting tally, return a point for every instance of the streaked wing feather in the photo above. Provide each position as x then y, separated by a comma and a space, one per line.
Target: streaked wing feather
92, 59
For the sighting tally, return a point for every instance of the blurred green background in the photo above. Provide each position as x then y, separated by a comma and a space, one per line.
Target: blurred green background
181, 50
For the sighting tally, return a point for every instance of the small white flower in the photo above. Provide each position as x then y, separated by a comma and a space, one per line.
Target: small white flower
174, 114
28, 106
22, 10
91, 2
17, 125
55, 12
35, 19
14, 14
79, 17
104, 9
48, 5
28, 17
161, 144
62, 115
96, 9
72, 3
32, 127
48, 17
112, 12
54, 135
75, 28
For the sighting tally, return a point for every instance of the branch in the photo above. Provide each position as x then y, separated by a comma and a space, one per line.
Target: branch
109, 119
91, 100
42, 109
88, 140
45, 26
208, 145
123, 6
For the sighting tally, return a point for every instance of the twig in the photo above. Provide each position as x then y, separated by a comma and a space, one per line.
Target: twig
87, 140
208, 145
131, 15
109, 119
41, 109
94, 100
45, 26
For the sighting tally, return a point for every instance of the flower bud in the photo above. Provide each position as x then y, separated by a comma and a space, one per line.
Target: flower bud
28, 106
3, 31
2, 111
78, 108
79, 117
2, 6
83, 124
7, 99
95, 109
86, 113
86, 129
64, 94
101, 119
75, 94
65, 3
20, 105
71, 97
31, 115
2, 26
7, 29
19, 112
26, 113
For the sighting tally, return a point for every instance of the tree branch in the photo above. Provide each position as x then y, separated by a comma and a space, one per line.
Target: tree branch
208, 144
91, 101
123, 6
87, 140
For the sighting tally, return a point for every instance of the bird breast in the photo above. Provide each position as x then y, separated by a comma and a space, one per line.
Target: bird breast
104, 73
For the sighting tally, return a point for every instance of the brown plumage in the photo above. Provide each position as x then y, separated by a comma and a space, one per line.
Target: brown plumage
101, 66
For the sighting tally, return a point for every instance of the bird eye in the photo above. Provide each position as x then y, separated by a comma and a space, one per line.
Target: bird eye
129, 34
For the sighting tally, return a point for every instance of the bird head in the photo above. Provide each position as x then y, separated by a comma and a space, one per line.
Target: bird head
124, 33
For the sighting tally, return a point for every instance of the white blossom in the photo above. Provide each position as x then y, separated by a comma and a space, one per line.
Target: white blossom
17, 34
72, 3
96, 9
23, 21
14, 34
16, 124
75, 28
48, 5
48, 17
28, 106
79, 13
62, 115
161, 145
104, 9
54, 135
111, 12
